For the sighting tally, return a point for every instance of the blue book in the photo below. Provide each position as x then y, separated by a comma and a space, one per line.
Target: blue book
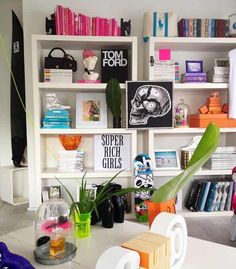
205, 192
53, 112
209, 27
57, 119
213, 28
211, 199
186, 28
56, 127
229, 197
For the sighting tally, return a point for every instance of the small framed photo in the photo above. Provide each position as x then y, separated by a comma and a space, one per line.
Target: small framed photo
55, 191
194, 66
222, 62
149, 104
91, 110
166, 159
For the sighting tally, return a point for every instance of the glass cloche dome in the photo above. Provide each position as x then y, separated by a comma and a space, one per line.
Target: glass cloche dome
55, 241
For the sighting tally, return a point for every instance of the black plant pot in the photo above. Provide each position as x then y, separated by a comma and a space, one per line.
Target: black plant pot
116, 122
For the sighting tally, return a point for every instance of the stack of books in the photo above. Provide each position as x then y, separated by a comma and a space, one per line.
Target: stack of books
194, 77
203, 28
210, 195
70, 160
58, 75
218, 74
166, 70
223, 158
68, 22
56, 118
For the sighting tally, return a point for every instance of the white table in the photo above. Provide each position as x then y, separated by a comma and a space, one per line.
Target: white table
200, 254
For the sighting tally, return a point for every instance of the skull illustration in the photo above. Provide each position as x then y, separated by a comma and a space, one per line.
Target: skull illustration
149, 101
143, 181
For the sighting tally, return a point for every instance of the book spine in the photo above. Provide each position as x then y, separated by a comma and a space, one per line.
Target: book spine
224, 196
93, 26
206, 27
197, 199
189, 204
211, 197
57, 20
204, 197
198, 27
61, 18
203, 27
229, 196
209, 27
190, 27
213, 28
186, 28
195, 27
180, 27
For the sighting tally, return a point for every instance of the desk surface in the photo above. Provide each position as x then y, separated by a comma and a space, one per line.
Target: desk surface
200, 254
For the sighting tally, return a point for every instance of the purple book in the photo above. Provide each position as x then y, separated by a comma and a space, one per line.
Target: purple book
195, 78
195, 74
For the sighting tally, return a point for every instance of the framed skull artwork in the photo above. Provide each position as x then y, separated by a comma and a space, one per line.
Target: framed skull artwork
149, 104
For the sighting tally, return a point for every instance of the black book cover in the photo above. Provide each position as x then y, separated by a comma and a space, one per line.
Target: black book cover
190, 203
200, 196
114, 65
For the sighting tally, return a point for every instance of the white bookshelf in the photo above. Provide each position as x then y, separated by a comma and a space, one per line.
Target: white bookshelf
46, 140
195, 95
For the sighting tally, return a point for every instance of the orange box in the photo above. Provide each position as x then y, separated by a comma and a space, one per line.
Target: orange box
203, 109
202, 120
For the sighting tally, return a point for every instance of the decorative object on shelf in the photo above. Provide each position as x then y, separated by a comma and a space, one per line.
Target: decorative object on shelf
232, 25
70, 142
166, 159
55, 191
89, 61
115, 64
220, 72
203, 27
232, 83
187, 151
11, 260
53, 102
212, 112
54, 233
194, 66
143, 178
233, 220
181, 114
113, 151
159, 24
58, 75
125, 27
113, 99
65, 62
91, 110
149, 104
50, 25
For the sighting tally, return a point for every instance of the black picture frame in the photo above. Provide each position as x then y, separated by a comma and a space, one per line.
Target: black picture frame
194, 66
149, 104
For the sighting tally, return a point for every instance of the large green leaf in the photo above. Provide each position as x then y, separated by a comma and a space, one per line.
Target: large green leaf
113, 97
205, 148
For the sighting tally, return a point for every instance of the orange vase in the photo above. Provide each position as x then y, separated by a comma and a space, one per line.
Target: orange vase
155, 208
70, 142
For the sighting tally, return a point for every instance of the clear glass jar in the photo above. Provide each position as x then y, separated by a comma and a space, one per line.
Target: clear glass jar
55, 240
181, 115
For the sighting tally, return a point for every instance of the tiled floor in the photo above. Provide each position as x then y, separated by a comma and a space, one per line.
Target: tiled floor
214, 229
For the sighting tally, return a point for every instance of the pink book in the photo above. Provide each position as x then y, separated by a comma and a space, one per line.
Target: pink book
57, 20
93, 25
97, 26
69, 22
106, 27
65, 21
110, 27
76, 16
61, 19
118, 31
72, 23
80, 24
101, 26
113, 27
83, 25
88, 26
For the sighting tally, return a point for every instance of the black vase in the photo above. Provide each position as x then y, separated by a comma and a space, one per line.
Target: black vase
107, 213
116, 122
119, 208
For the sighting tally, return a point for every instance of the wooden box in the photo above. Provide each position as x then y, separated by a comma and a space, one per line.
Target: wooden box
202, 120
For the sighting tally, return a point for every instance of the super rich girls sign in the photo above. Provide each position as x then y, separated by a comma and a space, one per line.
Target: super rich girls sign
112, 151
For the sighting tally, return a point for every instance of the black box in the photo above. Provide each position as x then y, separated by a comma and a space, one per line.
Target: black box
114, 64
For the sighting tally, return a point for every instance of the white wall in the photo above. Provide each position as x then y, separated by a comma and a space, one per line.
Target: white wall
5, 29
34, 13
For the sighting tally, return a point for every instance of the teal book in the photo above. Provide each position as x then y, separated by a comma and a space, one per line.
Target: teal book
212, 196
204, 195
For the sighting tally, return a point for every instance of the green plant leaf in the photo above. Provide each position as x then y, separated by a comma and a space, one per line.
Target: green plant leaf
113, 97
205, 148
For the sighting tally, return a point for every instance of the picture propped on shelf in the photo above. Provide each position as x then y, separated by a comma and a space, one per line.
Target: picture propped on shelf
113, 151
91, 110
149, 104
114, 65
166, 159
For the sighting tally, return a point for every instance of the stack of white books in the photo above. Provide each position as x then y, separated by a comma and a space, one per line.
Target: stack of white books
219, 74
70, 160
166, 70
58, 75
223, 158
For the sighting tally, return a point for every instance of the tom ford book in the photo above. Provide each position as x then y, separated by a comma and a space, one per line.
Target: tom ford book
114, 65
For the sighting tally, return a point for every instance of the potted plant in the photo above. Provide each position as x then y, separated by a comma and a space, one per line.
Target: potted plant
113, 99
163, 198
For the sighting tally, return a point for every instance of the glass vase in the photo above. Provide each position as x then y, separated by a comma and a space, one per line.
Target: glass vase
82, 224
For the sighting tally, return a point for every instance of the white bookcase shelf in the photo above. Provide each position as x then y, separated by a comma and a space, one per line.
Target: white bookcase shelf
46, 140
